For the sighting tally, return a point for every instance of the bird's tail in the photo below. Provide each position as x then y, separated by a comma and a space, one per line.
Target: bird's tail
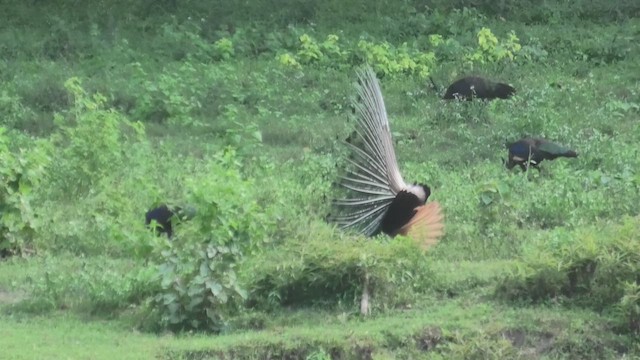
187, 212
372, 177
570, 153
427, 226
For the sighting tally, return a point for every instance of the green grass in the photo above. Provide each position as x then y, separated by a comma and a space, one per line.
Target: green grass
462, 322
87, 290
64, 336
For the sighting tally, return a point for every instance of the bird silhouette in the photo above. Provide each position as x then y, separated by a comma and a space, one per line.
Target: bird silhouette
532, 151
478, 87
161, 218
379, 200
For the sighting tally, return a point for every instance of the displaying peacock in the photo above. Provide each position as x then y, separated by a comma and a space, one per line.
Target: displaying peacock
532, 151
379, 200
161, 217
478, 87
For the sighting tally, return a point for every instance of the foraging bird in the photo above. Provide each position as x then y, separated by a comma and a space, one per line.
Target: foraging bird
477, 87
380, 200
531, 151
163, 217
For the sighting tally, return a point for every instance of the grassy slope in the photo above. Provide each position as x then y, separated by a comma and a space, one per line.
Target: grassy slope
466, 323
466, 148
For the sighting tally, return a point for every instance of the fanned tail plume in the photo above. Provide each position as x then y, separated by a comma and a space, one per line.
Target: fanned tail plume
378, 198
373, 177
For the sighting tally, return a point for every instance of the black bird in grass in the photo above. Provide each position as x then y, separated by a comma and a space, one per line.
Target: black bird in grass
380, 200
532, 151
477, 87
163, 217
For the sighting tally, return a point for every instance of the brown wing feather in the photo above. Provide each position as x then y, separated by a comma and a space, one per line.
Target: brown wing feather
426, 226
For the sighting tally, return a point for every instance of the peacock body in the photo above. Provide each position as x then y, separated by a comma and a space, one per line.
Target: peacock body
471, 87
163, 216
532, 151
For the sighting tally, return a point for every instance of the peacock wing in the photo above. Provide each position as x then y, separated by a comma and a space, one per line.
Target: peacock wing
427, 225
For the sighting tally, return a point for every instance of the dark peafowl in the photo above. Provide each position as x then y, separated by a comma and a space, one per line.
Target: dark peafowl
379, 200
477, 87
162, 217
533, 151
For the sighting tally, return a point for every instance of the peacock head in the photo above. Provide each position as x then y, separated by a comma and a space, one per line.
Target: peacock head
426, 189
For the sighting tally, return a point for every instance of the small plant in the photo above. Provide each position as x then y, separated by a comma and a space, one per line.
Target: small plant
288, 60
309, 50
320, 354
492, 50
389, 60
223, 49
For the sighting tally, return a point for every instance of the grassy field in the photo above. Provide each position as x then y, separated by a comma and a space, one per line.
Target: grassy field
108, 110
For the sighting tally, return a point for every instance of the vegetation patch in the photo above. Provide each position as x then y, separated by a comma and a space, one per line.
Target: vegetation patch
239, 110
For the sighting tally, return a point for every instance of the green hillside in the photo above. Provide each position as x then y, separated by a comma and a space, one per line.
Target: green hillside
240, 108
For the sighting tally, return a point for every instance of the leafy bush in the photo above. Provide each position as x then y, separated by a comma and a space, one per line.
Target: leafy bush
103, 159
491, 50
199, 289
321, 269
389, 60
21, 173
12, 111
91, 140
629, 307
182, 41
173, 96
588, 267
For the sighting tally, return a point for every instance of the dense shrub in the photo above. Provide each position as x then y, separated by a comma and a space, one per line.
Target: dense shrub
91, 139
103, 159
197, 270
21, 172
590, 267
323, 270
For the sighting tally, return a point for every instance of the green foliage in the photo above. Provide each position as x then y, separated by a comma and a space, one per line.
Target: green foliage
173, 96
97, 148
199, 289
588, 267
328, 53
491, 50
629, 307
202, 76
91, 141
411, 59
181, 41
313, 271
21, 173
12, 111
93, 285
223, 49
388, 60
